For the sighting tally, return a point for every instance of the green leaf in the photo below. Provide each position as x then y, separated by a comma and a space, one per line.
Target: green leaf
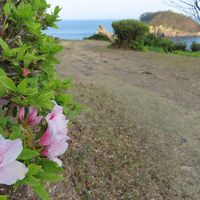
4, 121
17, 133
7, 8
3, 197
34, 169
56, 11
64, 99
41, 192
2, 72
51, 177
44, 100
24, 11
24, 89
5, 47
32, 181
2, 132
28, 154
50, 166
6, 85
33, 27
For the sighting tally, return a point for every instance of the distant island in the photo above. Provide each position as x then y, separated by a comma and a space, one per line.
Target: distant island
171, 24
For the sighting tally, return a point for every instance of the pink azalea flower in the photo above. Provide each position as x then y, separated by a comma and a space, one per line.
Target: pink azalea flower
57, 127
25, 72
55, 137
32, 119
11, 170
21, 114
55, 149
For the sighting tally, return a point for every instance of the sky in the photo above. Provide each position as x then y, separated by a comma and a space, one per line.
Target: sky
107, 9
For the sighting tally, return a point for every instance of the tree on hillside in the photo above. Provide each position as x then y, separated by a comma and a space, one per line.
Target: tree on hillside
191, 7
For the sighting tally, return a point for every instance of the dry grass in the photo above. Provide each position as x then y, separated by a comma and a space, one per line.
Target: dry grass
138, 138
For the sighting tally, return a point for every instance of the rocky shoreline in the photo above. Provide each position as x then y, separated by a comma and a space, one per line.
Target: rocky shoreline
163, 31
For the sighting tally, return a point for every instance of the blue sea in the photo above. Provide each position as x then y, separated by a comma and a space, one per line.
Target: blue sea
78, 29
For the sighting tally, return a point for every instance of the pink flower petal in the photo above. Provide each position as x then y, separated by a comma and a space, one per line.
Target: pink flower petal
9, 151
58, 110
55, 138
45, 152
25, 72
10, 174
46, 138
21, 114
36, 121
32, 114
57, 148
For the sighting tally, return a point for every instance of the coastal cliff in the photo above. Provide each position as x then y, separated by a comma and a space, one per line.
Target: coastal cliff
171, 24
163, 31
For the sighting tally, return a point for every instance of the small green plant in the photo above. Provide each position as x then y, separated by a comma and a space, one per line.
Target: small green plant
130, 33
195, 47
34, 102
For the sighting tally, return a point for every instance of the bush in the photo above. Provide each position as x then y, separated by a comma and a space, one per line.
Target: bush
179, 47
137, 45
163, 43
33, 101
153, 41
98, 37
150, 40
130, 33
195, 47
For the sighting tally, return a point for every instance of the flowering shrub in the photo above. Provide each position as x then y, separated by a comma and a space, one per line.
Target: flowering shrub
34, 103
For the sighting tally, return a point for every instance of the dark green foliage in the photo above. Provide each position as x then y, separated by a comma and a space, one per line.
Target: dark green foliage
153, 41
137, 45
179, 47
130, 33
195, 47
165, 44
98, 37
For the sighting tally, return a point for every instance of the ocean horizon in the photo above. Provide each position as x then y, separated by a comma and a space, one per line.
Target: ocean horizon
79, 29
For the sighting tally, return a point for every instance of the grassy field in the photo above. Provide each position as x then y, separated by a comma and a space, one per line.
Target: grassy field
138, 137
